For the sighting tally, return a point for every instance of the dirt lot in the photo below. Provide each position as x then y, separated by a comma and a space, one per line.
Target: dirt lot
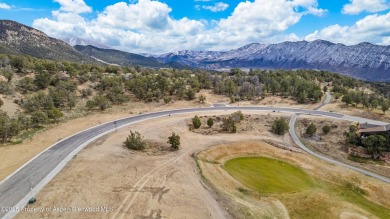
14, 156
250, 124
319, 202
333, 143
277, 101
140, 185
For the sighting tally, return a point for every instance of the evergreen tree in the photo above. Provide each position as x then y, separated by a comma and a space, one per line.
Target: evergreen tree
210, 122
196, 122
311, 130
174, 141
280, 126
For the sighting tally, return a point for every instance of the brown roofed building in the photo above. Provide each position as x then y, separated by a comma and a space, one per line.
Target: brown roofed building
373, 129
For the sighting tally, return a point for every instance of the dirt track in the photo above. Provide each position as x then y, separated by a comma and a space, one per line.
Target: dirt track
138, 185
13, 157
147, 185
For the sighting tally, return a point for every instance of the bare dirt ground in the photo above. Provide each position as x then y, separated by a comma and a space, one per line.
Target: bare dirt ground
256, 124
9, 106
333, 143
277, 101
246, 204
14, 156
138, 184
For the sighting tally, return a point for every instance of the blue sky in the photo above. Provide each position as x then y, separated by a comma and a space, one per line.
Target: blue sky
153, 26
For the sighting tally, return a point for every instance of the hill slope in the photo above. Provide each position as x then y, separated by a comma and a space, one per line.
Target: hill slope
117, 57
16, 39
74, 41
363, 61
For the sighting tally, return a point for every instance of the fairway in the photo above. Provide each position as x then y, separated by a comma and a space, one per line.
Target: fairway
267, 175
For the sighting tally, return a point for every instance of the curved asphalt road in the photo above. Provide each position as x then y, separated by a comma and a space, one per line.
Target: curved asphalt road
34, 175
322, 157
327, 100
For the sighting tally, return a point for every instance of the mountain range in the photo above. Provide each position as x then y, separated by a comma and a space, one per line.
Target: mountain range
117, 57
19, 39
364, 61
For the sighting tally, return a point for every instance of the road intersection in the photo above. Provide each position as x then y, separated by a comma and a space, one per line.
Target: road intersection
15, 190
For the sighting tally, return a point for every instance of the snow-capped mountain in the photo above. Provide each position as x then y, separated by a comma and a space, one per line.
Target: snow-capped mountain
74, 41
364, 61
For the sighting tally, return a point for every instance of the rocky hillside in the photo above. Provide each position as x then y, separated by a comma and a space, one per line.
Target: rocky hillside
83, 42
117, 57
363, 61
16, 38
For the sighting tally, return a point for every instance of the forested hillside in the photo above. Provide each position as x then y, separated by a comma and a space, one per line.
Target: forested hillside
49, 91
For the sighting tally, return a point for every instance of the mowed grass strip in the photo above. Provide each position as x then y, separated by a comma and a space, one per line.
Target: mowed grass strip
290, 183
267, 175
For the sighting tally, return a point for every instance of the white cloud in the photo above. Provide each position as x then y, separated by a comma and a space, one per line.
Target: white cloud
146, 26
4, 6
358, 6
142, 27
145, 15
217, 7
373, 28
64, 25
74, 6
256, 21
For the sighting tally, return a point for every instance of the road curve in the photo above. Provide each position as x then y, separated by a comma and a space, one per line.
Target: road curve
15, 190
322, 157
298, 142
327, 100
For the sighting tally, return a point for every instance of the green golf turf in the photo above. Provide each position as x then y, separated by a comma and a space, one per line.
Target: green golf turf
267, 175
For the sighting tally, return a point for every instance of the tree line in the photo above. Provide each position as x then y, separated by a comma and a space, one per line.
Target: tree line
49, 89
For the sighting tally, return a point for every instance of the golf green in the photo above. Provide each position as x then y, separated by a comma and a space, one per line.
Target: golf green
267, 175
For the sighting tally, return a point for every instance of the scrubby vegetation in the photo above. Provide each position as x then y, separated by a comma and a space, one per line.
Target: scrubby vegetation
174, 141
326, 129
135, 141
356, 98
375, 144
49, 91
210, 122
229, 124
311, 130
196, 122
280, 126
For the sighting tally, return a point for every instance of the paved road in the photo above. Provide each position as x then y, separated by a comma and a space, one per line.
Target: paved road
15, 189
322, 157
327, 100
298, 142
219, 104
